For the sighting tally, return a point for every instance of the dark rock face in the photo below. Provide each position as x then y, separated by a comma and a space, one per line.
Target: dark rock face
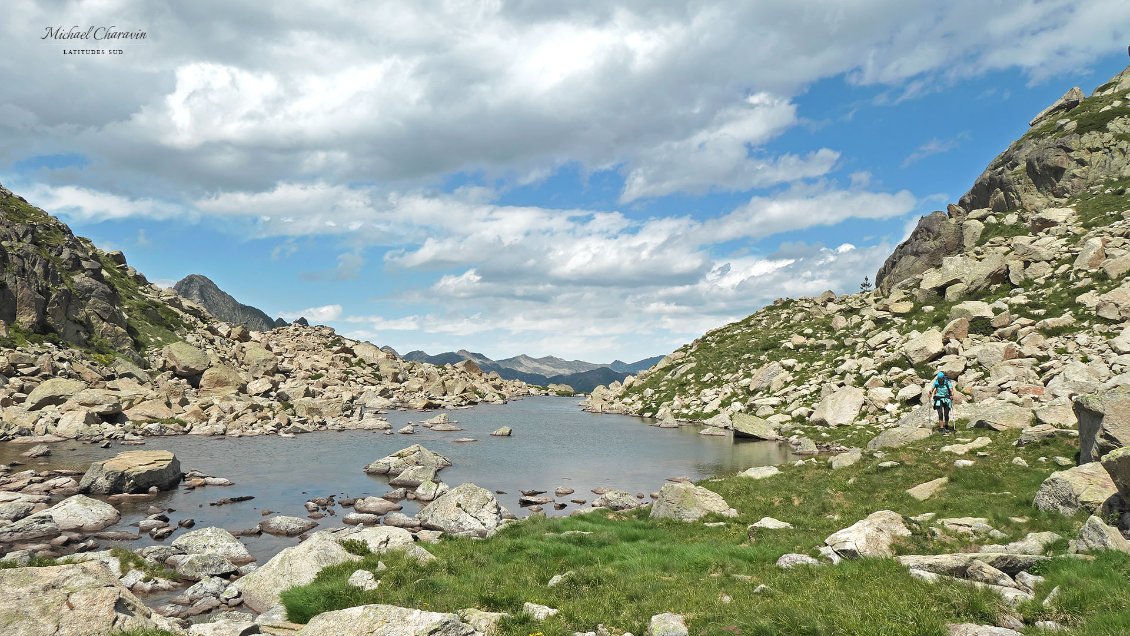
52, 282
1073, 145
202, 291
936, 236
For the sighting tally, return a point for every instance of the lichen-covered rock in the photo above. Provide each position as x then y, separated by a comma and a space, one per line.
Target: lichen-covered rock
53, 392
213, 541
616, 500
686, 502
464, 511
870, 537
293, 566
84, 514
1087, 487
132, 472
287, 526
1104, 423
1097, 535
83, 599
840, 407
386, 620
897, 437
221, 379
753, 427
186, 360
1117, 465
667, 625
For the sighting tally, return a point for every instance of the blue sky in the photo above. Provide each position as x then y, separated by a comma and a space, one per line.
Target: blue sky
606, 180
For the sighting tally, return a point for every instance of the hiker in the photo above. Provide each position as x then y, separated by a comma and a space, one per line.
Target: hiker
941, 392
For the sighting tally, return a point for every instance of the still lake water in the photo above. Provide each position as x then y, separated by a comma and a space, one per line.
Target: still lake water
554, 444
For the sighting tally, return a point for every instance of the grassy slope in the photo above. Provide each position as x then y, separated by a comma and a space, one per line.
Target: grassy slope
630, 567
150, 323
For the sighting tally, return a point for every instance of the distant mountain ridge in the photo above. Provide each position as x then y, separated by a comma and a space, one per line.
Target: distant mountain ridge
582, 376
202, 291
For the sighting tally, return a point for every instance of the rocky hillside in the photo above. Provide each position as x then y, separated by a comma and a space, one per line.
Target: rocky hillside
1019, 293
90, 349
56, 287
202, 291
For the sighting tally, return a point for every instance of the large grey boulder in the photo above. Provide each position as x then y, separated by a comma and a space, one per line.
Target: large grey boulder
258, 361
220, 380
934, 237
293, 566
753, 427
616, 500
1097, 535
1087, 487
840, 407
870, 537
1117, 465
196, 567
382, 538
185, 360
684, 501
897, 437
925, 347
464, 511
375, 506
52, 393
213, 541
83, 599
1104, 423
84, 514
385, 620
37, 526
287, 526
404, 459
132, 472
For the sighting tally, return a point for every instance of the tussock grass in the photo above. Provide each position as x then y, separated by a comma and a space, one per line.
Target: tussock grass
628, 567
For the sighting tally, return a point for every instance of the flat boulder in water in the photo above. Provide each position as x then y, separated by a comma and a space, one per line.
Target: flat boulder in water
287, 526
132, 472
752, 427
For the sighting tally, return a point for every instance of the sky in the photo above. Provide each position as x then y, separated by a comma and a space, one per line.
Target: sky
592, 180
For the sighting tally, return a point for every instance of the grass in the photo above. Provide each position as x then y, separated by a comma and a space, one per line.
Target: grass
1097, 208
628, 567
1099, 589
130, 561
